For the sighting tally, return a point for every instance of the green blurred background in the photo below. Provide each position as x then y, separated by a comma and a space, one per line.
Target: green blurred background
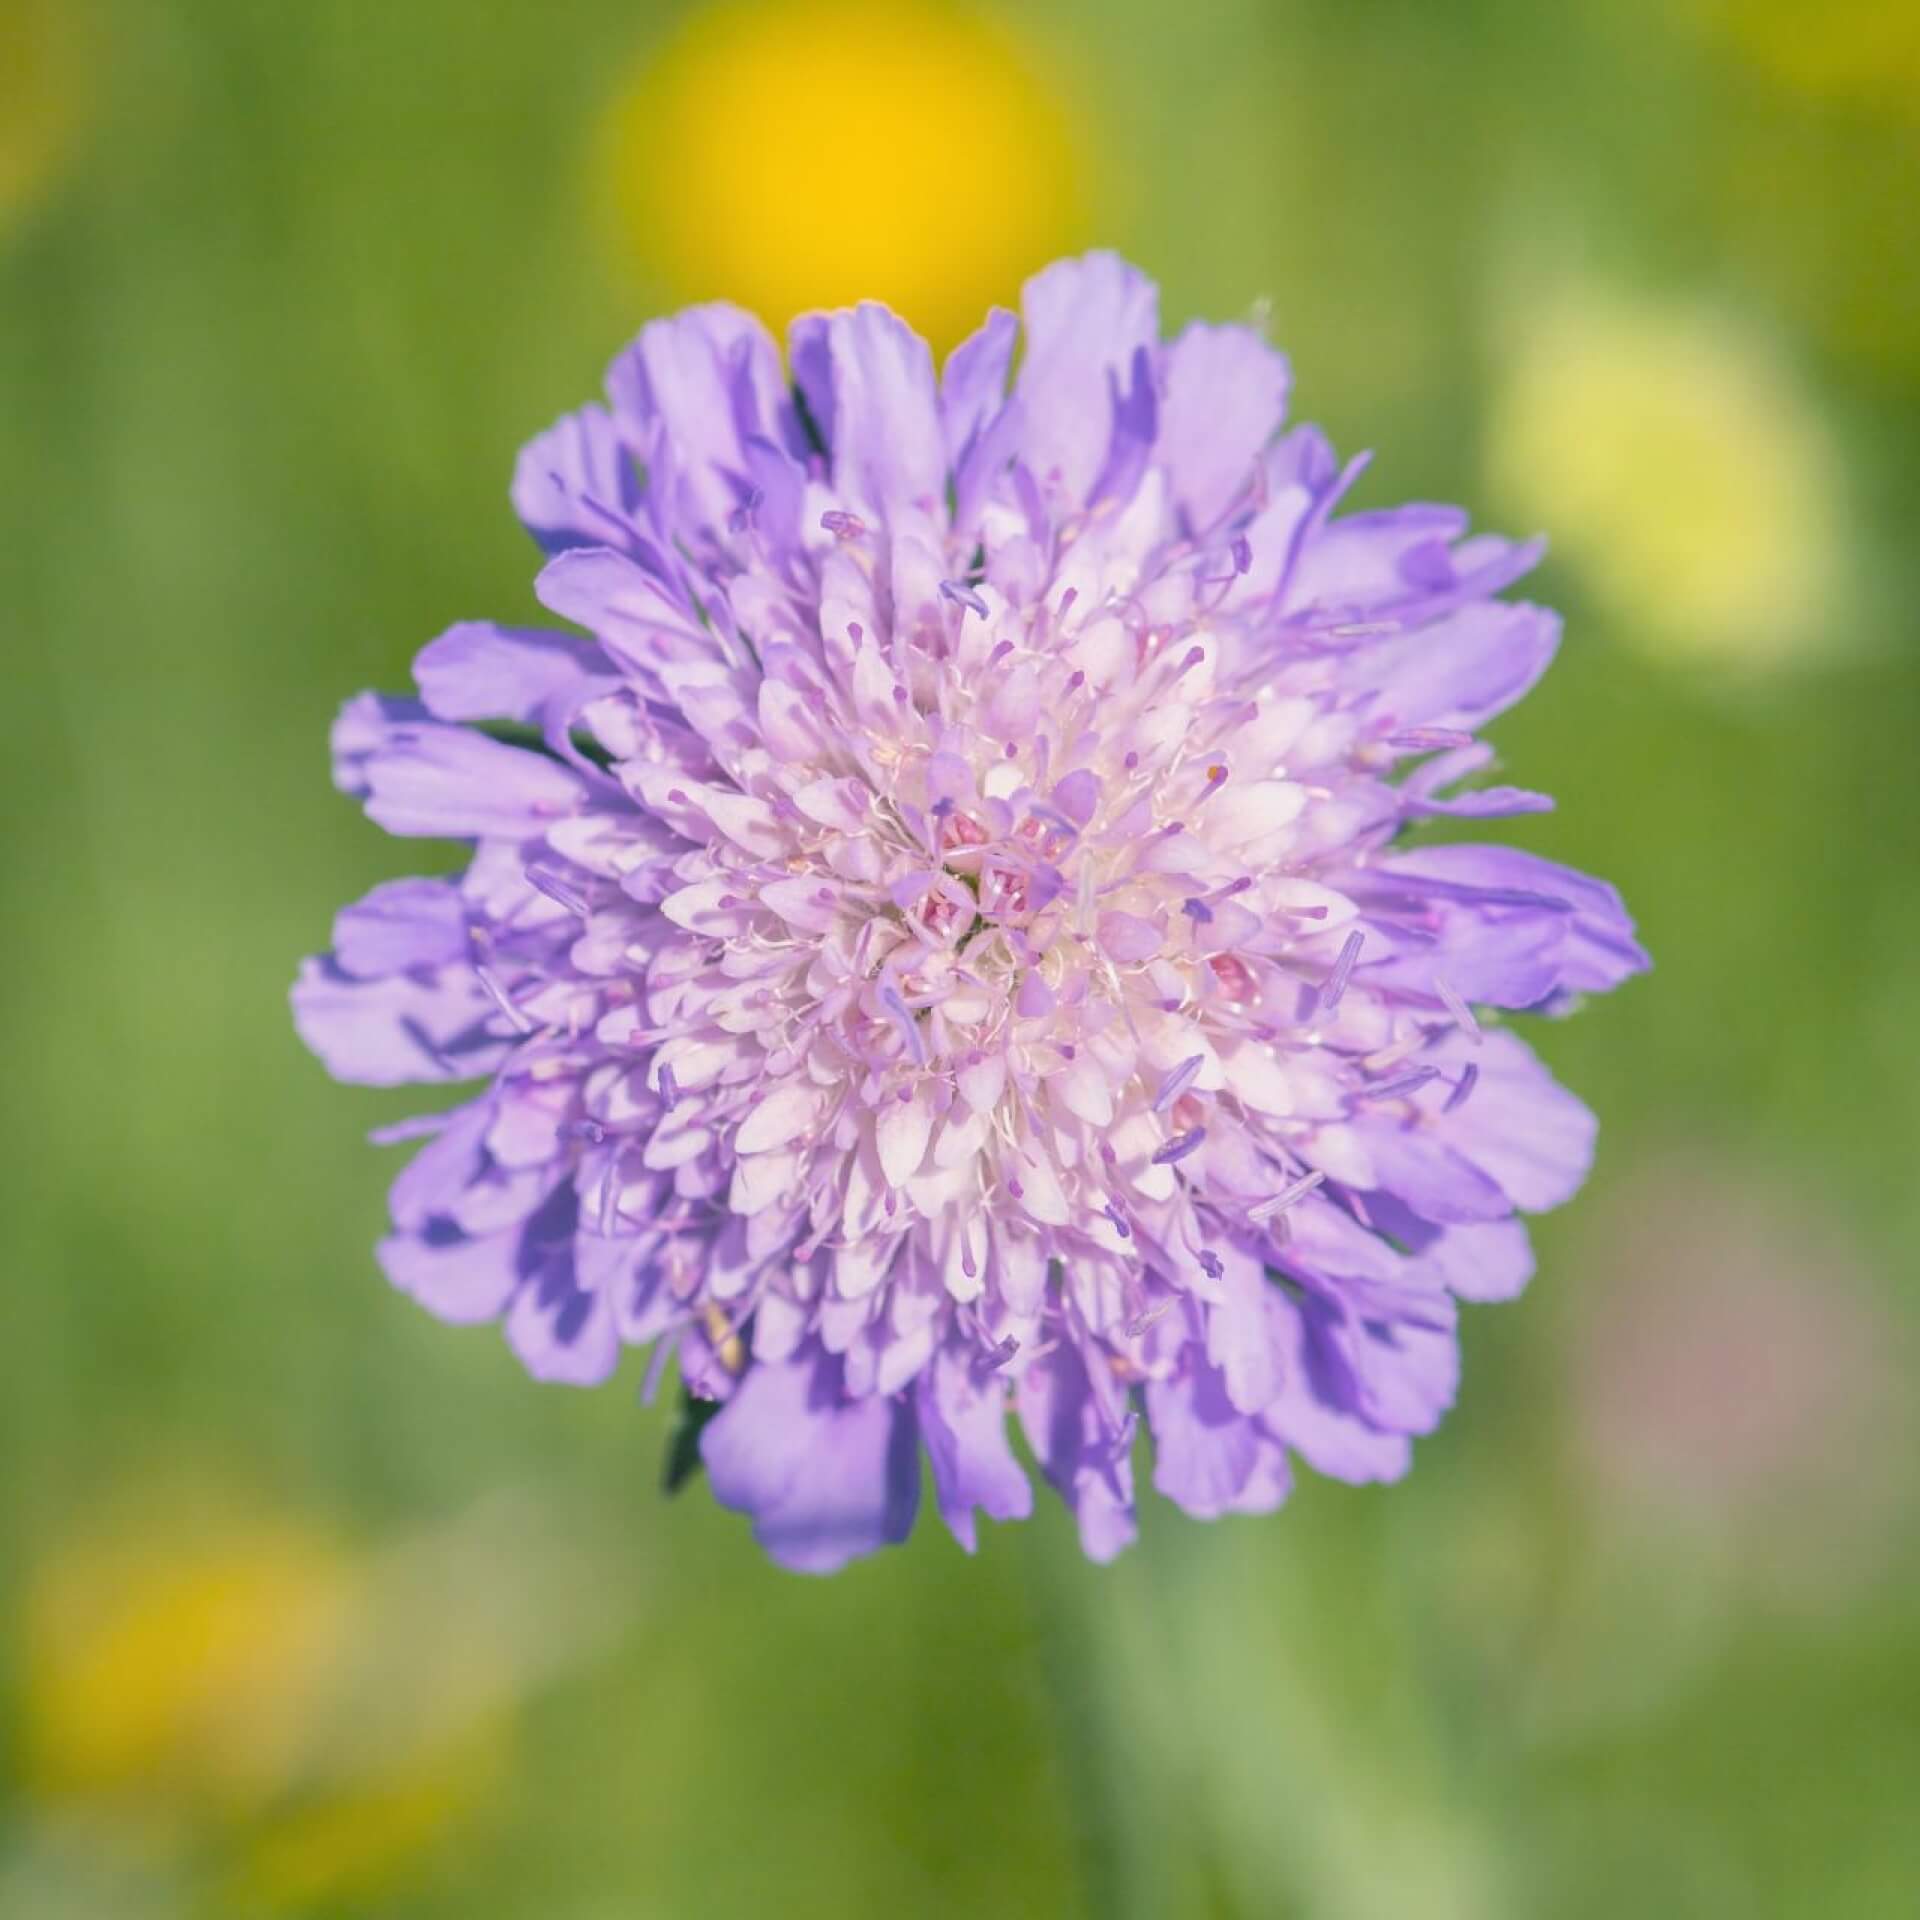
310, 1605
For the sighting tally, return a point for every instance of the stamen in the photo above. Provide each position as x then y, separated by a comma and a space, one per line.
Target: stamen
1461, 1088
1428, 739
909, 1027
1342, 970
1196, 910
1458, 1008
998, 1355
843, 526
557, 891
656, 1369
1405, 1084
1210, 1264
1286, 1197
963, 595
1178, 1080
497, 994
669, 1089
1178, 1149
1120, 1226
1242, 551
1149, 1316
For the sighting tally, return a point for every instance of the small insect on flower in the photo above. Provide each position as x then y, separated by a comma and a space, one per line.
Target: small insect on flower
829, 953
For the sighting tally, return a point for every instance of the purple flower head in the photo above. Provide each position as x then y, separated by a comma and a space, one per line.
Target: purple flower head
947, 939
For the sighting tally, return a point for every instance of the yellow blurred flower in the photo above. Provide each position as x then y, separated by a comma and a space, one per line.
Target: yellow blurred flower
177, 1676
791, 154
1677, 463
44, 95
214, 1691
1855, 52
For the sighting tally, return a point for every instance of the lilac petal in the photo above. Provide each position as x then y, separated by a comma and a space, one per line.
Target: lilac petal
1499, 953
1209, 1457
1241, 1337
1431, 1176
445, 782
1077, 1452
1226, 391
400, 1029
704, 381
824, 1478
360, 729
629, 608
401, 925
1078, 796
576, 482
479, 671
1317, 1413
883, 427
1493, 1261
1600, 948
973, 384
561, 1331
1135, 410
1085, 321
963, 1420
454, 1182
457, 1279
1372, 562
1461, 672
1522, 1129
1127, 938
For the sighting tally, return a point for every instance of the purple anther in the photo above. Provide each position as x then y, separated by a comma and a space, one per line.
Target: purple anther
843, 526
963, 595
557, 891
1179, 1147
1286, 1197
1178, 1080
1242, 551
1407, 1083
1461, 1088
1342, 970
1196, 910
669, 1088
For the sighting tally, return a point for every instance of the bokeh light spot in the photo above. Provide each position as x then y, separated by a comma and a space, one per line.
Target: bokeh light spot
1683, 470
791, 156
